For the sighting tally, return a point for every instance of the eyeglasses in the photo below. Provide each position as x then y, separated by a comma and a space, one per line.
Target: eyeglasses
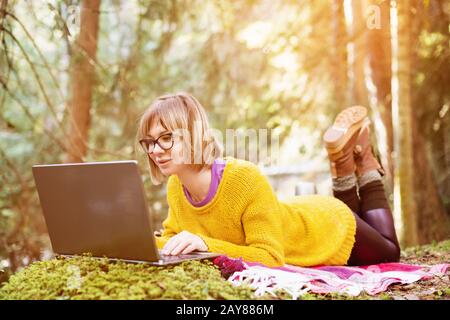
165, 141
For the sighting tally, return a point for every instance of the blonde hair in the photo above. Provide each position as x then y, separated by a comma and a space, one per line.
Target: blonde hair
181, 111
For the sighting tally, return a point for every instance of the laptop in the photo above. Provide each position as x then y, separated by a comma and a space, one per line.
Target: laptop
100, 208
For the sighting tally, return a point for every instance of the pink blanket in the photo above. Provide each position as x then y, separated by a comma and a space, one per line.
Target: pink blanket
324, 279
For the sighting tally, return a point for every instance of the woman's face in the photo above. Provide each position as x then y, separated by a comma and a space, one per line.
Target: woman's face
166, 160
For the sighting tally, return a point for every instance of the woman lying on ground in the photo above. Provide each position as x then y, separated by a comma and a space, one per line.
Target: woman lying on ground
225, 205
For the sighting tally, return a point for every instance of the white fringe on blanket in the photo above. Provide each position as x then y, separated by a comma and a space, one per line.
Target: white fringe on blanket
267, 281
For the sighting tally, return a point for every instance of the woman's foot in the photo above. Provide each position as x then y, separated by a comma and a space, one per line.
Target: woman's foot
340, 140
347, 122
365, 159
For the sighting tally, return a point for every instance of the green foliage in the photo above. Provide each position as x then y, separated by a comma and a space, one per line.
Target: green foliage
89, 278
252, 64
145, 49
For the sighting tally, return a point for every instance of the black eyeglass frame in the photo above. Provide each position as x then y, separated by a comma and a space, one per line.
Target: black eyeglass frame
145, 143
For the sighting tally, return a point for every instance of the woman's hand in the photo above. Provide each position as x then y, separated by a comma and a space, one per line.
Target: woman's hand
184, 243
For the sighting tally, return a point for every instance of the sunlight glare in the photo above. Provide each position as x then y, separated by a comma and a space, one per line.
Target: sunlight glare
286, 60
256, 34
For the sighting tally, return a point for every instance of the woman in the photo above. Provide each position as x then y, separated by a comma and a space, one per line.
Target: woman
227, 206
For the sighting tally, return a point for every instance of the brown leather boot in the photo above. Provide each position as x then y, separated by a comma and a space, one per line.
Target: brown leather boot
340, 140
364, 153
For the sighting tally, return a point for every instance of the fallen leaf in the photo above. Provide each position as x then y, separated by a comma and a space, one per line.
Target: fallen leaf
407, 287
428, 292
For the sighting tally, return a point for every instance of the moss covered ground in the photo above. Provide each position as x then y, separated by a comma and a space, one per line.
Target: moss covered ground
88, 278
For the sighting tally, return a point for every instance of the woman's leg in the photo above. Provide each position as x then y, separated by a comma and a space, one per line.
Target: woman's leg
375, 242
371, 247
375, 239
342, 167
346, 191
375, 211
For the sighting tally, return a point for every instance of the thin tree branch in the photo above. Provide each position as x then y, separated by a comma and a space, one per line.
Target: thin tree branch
55, 82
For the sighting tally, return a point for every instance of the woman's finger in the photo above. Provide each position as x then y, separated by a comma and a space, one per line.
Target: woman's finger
189, 249
180, 247
170, 244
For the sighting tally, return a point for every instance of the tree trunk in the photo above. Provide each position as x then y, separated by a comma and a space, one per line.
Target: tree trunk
3, 6
82, 80
379, 53
339, 55
433, 220
405, 138
359, 89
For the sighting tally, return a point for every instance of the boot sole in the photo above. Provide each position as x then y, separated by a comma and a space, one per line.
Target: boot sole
347, 122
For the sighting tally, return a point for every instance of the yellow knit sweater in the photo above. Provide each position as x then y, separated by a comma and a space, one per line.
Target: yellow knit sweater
245, 219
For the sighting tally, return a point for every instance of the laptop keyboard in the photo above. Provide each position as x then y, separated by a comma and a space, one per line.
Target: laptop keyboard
169, 258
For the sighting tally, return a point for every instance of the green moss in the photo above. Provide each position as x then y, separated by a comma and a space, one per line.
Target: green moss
88, 278
441, 294
385, 296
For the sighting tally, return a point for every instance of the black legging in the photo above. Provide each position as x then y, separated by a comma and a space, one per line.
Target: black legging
375, 239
